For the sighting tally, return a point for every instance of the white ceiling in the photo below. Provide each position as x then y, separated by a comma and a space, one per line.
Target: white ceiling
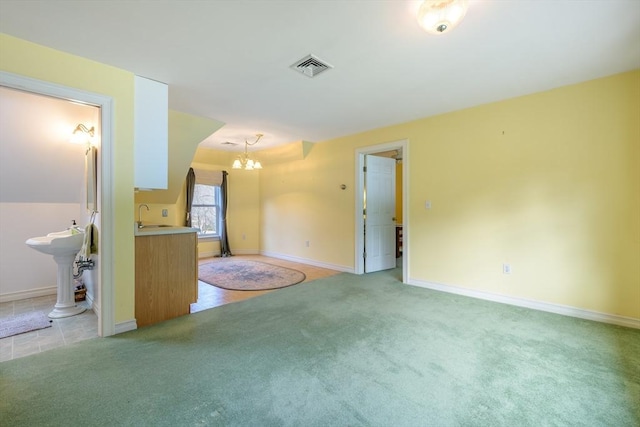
229, 60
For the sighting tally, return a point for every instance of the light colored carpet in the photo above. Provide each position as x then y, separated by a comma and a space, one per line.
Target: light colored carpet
341, 351
22, 323
246, 275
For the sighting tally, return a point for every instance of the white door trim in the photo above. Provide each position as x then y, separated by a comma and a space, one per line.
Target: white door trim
359, 238
106, 317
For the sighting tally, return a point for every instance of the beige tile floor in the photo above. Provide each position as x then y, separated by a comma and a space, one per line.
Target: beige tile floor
62, 331
85, 326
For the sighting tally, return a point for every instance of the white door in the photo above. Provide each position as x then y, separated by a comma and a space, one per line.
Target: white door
379, 208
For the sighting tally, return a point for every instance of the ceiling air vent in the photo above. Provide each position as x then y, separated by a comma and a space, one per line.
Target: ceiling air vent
310, 66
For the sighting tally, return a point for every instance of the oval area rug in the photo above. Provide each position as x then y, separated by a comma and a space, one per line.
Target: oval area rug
247, 275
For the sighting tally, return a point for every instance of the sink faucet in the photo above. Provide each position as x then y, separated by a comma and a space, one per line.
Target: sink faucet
140, 214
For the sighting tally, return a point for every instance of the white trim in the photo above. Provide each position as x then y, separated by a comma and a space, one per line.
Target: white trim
564, 310
129, 325
245, 251
206, 239
359, 238
106, 322
95, 307
214, 253
31, 293
329, 266
208, 254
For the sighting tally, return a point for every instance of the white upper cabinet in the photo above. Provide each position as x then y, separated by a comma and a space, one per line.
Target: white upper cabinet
151, 133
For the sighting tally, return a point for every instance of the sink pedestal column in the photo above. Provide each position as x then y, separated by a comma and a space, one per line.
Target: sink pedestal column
66, 303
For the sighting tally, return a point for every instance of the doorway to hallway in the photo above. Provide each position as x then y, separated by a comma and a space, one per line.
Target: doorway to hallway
377, 220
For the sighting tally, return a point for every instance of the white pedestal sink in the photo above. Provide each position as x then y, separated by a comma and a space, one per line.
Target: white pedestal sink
64, 246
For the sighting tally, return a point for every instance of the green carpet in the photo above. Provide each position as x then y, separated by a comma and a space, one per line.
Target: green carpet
342, 351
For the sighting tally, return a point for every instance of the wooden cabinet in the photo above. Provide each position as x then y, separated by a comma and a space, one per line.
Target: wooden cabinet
151, 134
166, 276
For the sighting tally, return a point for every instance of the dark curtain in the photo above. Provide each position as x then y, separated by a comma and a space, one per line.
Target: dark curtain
191, 185
225, 251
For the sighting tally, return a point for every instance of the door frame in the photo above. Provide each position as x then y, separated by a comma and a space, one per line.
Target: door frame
361, 152
106, 314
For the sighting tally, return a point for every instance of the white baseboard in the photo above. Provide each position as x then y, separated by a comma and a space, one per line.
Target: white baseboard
31, 293
211, 254
94, 306
126, 326
245, 252
336, 267
208, 254
564, 310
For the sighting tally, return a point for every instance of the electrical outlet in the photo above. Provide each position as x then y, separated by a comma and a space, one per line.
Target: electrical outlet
306, 243
244, 237
427, 204
165, 213
506, 268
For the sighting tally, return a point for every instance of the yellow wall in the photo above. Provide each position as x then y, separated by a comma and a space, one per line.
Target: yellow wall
399, 193
302, 201
35, 61
185, 132
549, 183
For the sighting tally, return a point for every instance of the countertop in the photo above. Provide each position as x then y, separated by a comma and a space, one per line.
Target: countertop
154, 229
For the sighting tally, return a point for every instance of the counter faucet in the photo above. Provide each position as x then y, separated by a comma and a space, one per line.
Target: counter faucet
140, 214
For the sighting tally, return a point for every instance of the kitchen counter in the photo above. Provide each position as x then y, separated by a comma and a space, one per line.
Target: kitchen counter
154, 229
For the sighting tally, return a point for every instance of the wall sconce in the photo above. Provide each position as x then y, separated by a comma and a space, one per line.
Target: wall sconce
82, 135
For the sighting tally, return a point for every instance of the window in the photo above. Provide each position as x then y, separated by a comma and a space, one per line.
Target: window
205, 210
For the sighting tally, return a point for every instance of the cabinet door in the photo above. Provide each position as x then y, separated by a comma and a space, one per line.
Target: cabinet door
166, 277
151, 133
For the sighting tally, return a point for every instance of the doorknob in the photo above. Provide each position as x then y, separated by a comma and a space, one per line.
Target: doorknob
393, 219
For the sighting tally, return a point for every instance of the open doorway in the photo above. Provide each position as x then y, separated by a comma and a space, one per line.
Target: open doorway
398, 151
104, 286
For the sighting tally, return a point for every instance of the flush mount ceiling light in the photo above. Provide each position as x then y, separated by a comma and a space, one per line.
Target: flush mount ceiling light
244, 161
441, 16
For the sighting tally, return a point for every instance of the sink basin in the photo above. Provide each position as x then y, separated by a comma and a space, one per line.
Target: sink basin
157, 226
63, 246
59, 243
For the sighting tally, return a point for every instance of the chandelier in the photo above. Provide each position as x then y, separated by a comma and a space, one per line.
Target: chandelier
244, 161
440, 16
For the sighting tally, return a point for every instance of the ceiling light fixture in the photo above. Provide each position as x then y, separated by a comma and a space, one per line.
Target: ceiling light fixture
441, 16
244, 161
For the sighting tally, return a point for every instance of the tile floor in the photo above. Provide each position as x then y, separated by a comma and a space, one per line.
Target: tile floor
62, 331
85, 326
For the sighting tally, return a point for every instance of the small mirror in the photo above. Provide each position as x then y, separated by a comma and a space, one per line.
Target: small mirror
90, 170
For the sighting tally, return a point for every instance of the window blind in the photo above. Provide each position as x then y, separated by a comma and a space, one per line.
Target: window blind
208, 177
